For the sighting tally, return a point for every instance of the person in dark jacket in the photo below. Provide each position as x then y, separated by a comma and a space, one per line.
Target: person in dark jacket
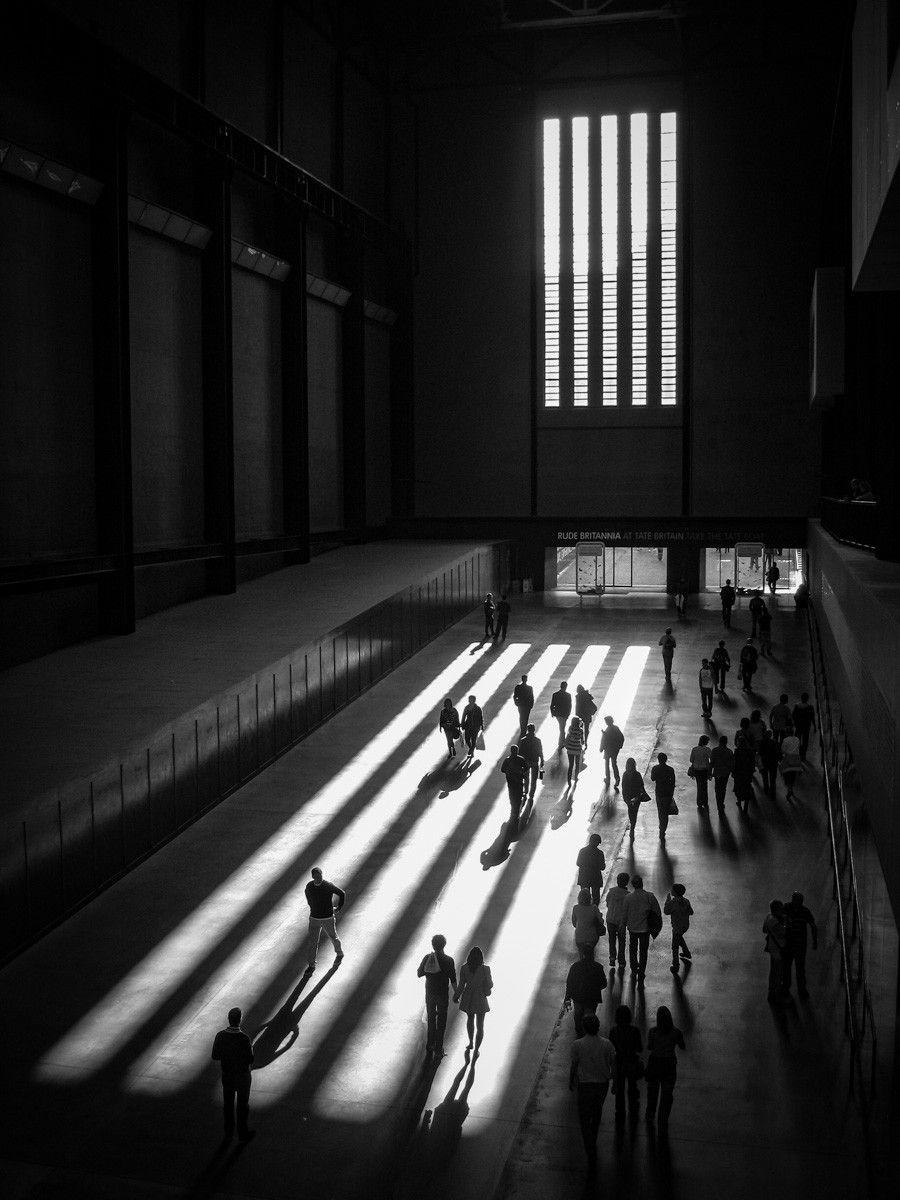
633, 793
586, 708
765, 632
768, 763
742, 771
749, 663
626, 1038
668, 644
325, 901
721, 665
532, 750
439, 972
591, 863
515, 768
560, 709
233, 1050
804, 719
448, 723
611, 742
798, 919
728, 596
756, 605
772, 576
663, 777
472, 724
585, 983
721, 762
523, 699
502, 620
662, 1040
488, 606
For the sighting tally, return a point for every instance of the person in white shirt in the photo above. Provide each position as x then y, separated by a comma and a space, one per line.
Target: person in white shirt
615, 918
593, 1063
639, 905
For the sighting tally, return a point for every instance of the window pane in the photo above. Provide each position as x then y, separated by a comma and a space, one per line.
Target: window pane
638, 258
668, 207
580, 257
609, 251
551, 263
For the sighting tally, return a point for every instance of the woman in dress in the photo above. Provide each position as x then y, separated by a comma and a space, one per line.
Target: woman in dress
574, 747
662, 1041
588, 922
472, 991
449, 724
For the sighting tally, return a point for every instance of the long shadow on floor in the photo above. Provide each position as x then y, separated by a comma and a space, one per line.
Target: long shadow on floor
277, 1035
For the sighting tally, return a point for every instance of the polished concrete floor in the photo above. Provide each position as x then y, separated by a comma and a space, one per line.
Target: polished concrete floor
109, 1091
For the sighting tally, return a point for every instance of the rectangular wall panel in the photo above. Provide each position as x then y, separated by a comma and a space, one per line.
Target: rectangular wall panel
326, 485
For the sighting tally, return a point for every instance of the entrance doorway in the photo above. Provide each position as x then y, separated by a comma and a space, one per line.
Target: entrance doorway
590, 568
747, 565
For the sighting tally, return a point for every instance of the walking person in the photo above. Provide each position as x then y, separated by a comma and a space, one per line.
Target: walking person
678, 908
471, 994
799, 920
515, 768
768, 763
765, 632
448, 723
743, 768
772, 576
775, 930
615, 918
791, 763
633, 793
611, 742
749, 662
501, 622
668, 644
663, 777
707, 682
321, 896
756, 605
472, 724
721, 764
662, 1066
780, 719
593, 1062
699, 770
532, 751
591, 863
439, 972
587, 921
727, 595
756, 729
586, 709
721, 665
629, 1067
488, 607
642, 916
233, 1051
523, 699
804, 721
681, 595
574, 748
561, 709
584, 988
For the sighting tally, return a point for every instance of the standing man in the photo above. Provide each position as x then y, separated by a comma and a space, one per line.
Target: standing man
591, 863
439, 971
780, 720
749, 663
523, 699
488, 606
611, 742
798, 919
707, 683
515, 769
639, 904
233, 1050
584, 987
721, 665
804, 716
668, 644
756, 605
727, 595
532, 752
560, 708
472, 724
663, 777
321, 896
772, 576
593, 1062
586, 708
721, 762
503, 611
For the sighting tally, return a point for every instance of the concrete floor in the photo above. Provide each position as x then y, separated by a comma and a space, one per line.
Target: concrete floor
109, 1089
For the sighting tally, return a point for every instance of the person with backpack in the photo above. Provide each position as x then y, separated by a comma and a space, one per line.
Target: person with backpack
560, 709
663, 776
611, 742
643, 920
707, 681
749, 663
586, 709
727, 595
523, 699
439, 972
633, 793
721, 665
668, 644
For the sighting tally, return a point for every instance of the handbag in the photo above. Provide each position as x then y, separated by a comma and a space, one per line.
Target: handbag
479, 741
673, 807
692, 774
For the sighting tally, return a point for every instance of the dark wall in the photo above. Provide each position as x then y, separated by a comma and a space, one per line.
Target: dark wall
326, 414
378, 423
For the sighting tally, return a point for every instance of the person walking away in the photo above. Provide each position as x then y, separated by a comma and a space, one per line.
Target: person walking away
743, 768
515, 769
439, 972
472, 724
749, 663
321, 896
721, 764
615, 918
727, 595
798, 919
678, 908
663, 776
791, 763
742, 735
471, 994
584, 988
699, 770
532, 752
502, 620
560, 710
768, 763
775, 930
681, 595
233, 1051
662, 1066
628, 1045
707, 681
765, 632
448, 723
593, 1063
757, 729
780, 720
523, 699
488, 606
586, 709
804, 721
591, 863
642, 915
633, 793
574, 748
668, 644
721, 665
772, 576
587, 921
611, 742
756, 605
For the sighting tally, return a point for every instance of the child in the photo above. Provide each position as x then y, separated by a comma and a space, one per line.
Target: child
678, 907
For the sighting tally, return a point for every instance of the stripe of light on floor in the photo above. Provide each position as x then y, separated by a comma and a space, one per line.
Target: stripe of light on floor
102, 1032
466, 897
180, 1052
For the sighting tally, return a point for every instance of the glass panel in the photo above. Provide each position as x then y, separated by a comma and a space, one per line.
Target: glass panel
580, 258
668, 182
609, 251
622, 566
648, 568
565, 567
639, 258
551, 263
719, 566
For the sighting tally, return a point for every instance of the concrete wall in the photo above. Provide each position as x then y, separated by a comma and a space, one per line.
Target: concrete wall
326, 413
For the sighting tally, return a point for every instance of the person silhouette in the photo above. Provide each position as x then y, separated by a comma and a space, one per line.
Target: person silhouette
471, 994
233, 1051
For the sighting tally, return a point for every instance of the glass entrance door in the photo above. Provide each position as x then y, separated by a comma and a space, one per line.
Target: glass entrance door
590, 573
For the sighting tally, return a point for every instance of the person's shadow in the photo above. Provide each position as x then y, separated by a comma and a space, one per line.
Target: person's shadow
562, 809
277, 1035
441, 1130
726, 836
498, 851
461, 774
705, 828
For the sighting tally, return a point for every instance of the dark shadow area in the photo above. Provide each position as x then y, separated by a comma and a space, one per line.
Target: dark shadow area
704, 830
727, 843
498, 851
462, 773
277, 1035
682, 1013
562, 809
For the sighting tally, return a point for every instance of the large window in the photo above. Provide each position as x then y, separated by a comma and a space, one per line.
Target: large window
610, 257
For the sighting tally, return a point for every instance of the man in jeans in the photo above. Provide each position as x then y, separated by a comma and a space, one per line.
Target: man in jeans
439, 972
615, 918
320, 896
664, 780
611, 742
233, 1050
593, 1062
638, 906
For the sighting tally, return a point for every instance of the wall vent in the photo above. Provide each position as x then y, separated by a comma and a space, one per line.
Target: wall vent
324, 289
37, 168
167, 223
260, 262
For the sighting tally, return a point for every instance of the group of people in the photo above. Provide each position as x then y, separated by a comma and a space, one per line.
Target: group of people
496, 617
786, 931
